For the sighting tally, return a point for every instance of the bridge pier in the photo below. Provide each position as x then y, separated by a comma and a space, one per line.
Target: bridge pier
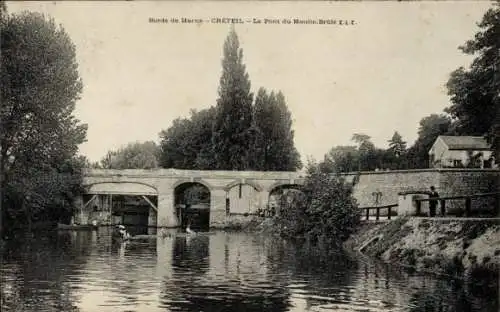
166, 209
152, 219
217, 207
263, 199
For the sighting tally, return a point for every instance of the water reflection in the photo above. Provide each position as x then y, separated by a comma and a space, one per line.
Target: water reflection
220, 273
83, 271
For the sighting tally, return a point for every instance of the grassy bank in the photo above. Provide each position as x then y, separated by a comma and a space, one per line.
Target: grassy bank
461, 248
241, 223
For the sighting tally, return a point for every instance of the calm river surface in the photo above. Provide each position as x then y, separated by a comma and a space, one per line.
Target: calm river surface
83, 271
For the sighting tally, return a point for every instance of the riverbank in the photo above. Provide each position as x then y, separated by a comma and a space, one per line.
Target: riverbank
460, 248
243, 223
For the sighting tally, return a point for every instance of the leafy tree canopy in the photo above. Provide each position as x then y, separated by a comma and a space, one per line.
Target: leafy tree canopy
232, 136
474, 91
237, 133
39, 136
325, 212
136, 155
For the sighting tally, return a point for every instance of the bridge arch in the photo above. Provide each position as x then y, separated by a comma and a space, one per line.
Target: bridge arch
192, 181
243, 197
121, 188
282, 191
284, 184
131, 203
192, 200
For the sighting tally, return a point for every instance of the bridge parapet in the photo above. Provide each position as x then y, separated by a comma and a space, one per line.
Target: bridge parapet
212, 174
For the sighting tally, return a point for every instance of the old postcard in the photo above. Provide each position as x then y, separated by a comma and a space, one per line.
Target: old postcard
249, 156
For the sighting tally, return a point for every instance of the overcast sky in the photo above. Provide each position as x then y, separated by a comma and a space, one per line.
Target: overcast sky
382, 74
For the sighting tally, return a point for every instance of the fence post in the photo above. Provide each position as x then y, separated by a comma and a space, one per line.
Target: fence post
377, 214
367, 214
389, 213
467, 206
419, 206
443, 207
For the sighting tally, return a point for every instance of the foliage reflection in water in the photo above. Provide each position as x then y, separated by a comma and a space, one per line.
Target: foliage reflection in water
83, 271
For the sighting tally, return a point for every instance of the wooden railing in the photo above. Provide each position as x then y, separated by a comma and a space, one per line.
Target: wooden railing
366, 213
467, 212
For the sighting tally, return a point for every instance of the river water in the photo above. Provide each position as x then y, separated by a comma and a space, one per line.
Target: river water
83, 271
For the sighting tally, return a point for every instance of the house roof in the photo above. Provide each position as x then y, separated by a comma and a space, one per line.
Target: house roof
465, 142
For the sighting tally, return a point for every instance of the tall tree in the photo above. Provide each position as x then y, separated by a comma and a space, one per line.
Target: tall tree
430, 128
274, 148
39, 87
474, 92
288, 157
232, 130
263, 125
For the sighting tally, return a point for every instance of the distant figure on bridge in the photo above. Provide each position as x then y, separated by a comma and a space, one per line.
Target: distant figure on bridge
433, 202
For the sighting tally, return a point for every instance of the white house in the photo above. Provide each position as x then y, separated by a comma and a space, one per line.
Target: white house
459, 151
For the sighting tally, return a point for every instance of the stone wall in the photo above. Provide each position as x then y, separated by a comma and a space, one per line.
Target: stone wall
468, 182
448, 182
387, 184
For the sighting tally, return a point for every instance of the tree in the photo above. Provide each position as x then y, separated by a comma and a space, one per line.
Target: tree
236, 134
326, 212
40, 85
136, 155
288, 158
107, 160
3, 10
341, 159
187, 143
430, 128
367, 152
273, 148
395, 157
232, 139
263, 127
396, 144
474, 92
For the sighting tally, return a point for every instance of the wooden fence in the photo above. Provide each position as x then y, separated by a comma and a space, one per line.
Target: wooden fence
365, 216
467, 211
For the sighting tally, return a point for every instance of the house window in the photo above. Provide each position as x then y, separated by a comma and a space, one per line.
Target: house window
457, 163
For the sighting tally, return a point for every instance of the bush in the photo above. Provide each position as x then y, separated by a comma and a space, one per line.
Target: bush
324, 212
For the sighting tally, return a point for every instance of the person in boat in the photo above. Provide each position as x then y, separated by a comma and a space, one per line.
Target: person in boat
120, 232
189, 230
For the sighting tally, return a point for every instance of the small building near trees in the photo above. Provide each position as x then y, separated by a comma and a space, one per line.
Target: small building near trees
461, 152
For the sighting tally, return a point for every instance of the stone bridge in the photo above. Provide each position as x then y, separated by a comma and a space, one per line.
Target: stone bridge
246, 191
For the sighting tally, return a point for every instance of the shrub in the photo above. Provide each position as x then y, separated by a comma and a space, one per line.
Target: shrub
324, 212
